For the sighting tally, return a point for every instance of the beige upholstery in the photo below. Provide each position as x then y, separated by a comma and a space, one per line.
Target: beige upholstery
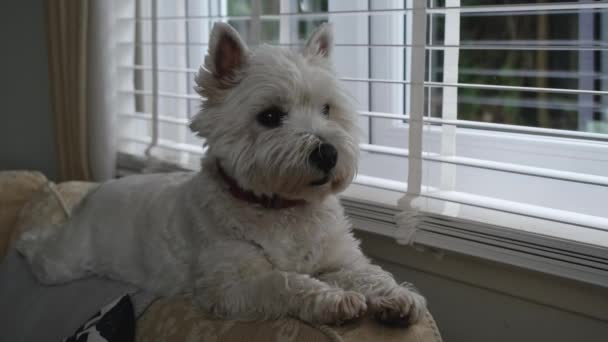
16, 189
175, 319
46, 207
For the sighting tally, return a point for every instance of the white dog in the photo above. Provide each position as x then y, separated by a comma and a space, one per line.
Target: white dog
258, 232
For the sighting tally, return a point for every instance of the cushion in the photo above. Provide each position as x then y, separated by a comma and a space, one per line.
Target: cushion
115, 322
175, 319
16, 188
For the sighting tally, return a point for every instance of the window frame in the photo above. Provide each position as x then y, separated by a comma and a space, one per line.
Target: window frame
373, 210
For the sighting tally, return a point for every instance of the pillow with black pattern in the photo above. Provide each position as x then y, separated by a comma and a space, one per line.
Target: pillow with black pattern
115, 322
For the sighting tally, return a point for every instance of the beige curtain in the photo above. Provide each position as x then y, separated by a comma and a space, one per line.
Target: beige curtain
67, 26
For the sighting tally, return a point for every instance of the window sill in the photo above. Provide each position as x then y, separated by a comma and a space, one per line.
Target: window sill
556, 254
481, 275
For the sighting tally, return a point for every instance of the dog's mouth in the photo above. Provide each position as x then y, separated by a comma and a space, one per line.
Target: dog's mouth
320, 181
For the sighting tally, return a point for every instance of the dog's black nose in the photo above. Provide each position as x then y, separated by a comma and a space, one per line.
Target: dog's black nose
324, 157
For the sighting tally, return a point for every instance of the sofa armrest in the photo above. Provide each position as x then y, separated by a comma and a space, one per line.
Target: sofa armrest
176, 319
16, 189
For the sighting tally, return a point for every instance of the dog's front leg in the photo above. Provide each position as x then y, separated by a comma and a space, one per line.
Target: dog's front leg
390, 302
247, 286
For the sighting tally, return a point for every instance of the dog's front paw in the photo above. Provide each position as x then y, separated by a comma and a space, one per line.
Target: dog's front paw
398, 307
338, 306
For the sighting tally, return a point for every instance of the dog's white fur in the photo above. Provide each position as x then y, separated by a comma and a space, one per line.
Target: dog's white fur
186, 233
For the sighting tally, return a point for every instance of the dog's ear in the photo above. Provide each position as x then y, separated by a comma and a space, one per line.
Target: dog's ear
320, 42
227, 51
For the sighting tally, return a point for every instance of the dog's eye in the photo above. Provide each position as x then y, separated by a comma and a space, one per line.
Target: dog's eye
325, 110
271, 117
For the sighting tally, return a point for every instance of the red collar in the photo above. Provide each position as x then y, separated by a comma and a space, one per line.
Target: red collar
274, 202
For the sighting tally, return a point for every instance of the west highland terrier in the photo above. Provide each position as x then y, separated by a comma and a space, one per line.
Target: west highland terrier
258, 233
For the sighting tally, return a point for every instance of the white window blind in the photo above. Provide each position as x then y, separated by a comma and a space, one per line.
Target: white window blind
517, 111
491, 116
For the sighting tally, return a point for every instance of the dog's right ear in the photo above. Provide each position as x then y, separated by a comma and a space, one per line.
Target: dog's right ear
320, 42
227, 52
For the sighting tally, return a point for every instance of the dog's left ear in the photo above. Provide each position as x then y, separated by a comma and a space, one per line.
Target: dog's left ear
227, 51
321, 41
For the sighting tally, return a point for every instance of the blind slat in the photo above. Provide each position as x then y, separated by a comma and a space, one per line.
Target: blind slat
168, 144
516, 88
161, 118
160, 94
494, 46
535, 131
532, 7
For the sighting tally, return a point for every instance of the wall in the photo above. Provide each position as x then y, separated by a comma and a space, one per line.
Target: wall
475, 300
26, 126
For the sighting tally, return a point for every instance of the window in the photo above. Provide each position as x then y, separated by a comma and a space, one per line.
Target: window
517, 115
490, 115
